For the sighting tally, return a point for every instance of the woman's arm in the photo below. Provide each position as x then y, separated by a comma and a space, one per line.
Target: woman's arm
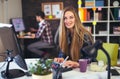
59, 60
72, 64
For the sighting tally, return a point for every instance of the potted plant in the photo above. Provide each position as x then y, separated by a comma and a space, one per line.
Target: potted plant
41, 69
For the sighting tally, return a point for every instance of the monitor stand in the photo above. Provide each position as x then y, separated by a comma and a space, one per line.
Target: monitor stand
12, 73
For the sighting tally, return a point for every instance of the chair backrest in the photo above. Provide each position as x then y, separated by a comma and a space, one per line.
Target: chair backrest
7, 41
112, 49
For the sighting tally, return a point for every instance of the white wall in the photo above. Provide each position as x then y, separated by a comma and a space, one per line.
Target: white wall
10, 9
1, 11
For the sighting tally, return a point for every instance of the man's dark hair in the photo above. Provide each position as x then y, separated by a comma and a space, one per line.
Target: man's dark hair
40, 13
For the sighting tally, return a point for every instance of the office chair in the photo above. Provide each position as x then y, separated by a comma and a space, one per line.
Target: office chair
11, 51
7, 42
52, 50
112, 49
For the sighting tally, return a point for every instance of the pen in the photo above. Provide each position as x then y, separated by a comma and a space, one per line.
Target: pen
64, 60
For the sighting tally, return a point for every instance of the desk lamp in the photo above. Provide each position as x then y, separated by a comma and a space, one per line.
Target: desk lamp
92, 50
14, 73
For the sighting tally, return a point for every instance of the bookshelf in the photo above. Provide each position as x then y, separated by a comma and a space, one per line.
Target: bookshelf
103, 17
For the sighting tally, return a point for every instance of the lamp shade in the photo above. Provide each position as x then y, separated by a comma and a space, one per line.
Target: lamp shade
91, 50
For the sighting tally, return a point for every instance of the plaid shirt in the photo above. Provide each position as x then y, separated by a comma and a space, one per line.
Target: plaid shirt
44, 32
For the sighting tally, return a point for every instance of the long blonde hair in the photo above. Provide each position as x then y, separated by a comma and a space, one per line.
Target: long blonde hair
78, 35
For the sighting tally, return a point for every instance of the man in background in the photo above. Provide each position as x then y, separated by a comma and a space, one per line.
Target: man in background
44, 33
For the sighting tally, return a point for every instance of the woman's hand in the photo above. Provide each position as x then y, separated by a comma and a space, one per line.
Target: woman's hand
59, 60
72, 64
68, 63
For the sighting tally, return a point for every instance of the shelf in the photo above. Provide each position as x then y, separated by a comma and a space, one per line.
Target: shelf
52, 19
113, 35
100, 35
114, 7
101, 21
87, 21
102, 18
95, 7
95, 21
114, 21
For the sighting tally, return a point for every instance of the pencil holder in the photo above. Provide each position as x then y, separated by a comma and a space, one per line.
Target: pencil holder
57, 70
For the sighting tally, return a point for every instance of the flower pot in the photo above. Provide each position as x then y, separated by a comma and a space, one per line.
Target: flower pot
49, 76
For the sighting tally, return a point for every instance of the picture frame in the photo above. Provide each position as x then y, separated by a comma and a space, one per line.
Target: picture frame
52, 10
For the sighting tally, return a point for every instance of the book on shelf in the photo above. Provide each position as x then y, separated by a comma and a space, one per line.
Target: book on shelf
98, 16
81, 10
116, 30
112, 15
99, 3
116, 12
103, 32
119, 14
116, 33
89, 3
84, 14
88, 16
88, 28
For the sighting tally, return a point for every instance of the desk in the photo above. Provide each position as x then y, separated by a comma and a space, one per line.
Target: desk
26, 35
74, 74
24, 42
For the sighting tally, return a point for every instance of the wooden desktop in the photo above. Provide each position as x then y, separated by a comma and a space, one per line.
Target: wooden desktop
26, 35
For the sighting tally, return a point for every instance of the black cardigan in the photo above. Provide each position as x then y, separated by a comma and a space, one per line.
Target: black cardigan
87, 42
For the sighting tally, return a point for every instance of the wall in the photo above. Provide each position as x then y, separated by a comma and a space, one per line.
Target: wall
29, 8
10, 9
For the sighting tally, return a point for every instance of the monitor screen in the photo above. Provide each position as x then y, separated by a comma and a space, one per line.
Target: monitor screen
18, 24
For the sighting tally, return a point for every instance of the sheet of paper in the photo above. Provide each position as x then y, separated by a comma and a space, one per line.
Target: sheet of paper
56, 10
47, 9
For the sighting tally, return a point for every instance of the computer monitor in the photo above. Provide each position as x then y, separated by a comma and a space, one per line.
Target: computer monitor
18, 24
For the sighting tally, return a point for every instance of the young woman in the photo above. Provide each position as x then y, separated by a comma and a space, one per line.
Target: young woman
71, 37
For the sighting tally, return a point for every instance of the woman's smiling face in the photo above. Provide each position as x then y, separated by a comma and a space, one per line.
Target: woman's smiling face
69, 19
